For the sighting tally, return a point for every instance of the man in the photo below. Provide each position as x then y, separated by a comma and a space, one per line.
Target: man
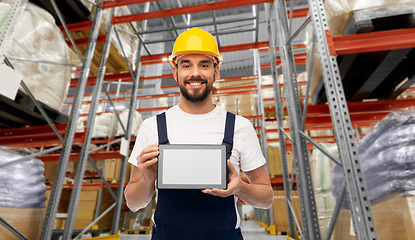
188, 213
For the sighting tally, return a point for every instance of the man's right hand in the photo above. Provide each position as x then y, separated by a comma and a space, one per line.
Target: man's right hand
146, 162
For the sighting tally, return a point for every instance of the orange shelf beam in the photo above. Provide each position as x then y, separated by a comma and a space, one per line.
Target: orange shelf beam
198, 8
120, 3
376, 41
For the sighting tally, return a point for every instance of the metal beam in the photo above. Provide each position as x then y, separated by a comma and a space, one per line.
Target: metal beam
216, 27
311, 229
76, 192
120, 3
198, 8
198, 25
70, 132
356, 188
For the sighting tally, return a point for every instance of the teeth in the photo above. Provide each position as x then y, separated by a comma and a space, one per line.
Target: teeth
195, 83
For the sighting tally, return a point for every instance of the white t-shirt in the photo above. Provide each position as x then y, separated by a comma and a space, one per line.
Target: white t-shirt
185, 128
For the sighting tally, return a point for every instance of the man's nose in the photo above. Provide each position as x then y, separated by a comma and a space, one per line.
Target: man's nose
195, 72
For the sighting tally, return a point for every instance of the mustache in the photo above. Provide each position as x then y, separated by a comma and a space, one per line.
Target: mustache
196, 79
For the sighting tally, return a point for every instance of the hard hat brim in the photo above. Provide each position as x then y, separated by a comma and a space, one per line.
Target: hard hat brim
173, 57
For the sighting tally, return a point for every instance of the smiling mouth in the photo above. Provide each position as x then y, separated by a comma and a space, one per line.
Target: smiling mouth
195, 84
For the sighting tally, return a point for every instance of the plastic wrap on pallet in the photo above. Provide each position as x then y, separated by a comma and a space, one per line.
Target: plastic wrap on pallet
105, 126
22, 184
137, 120
387, 158
36, 36
321, 171
80, 127
129, 43
338, 14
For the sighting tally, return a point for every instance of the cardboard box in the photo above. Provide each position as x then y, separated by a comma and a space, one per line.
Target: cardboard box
87, 195
87, 205
280, 210
28, 221
394, 219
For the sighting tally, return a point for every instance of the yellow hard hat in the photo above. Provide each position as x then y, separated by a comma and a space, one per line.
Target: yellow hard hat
195, 41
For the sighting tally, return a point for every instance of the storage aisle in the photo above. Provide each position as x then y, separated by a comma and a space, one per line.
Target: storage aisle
250, 231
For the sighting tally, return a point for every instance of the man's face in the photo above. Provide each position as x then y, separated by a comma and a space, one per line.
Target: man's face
195, 75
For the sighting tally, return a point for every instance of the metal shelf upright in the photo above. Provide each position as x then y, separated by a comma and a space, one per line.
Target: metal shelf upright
71, 128
279, 111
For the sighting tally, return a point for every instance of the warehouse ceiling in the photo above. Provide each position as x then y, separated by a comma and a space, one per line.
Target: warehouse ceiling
233, 26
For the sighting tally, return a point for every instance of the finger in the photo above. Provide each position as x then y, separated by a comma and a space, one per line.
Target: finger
209, 191
231, 168
147, 156
216, 192
148, 149
150, 155
147, 164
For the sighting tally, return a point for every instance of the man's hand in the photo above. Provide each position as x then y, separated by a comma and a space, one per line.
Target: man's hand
146, 161
234, 184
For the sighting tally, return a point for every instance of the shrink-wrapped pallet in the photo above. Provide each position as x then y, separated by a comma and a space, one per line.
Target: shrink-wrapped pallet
247, 105
37, 37
321, 171
22, 184
387, 158
338, 14
393, 218
104, 126
137, 120
22, 194
229, 103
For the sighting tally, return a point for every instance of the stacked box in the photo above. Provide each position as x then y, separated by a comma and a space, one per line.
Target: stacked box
394, 219
274, 161
280, 210
28, 221
86, 207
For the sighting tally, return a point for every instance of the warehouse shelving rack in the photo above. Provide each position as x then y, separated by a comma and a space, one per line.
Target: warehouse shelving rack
343, 122
318, 122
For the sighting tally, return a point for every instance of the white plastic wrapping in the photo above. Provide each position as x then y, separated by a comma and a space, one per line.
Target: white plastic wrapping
37, 37
338, 14
321, 170
137, 120
387, 158
104, 127
22, 184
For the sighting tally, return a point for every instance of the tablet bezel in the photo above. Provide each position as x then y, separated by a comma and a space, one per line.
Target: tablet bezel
160, 168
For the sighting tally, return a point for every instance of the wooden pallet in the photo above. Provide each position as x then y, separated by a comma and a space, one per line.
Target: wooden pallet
115, 61
140, 230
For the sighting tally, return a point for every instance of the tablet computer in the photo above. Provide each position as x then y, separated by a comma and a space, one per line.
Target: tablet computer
190, 166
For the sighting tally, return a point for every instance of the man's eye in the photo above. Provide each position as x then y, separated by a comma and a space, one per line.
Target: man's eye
185, 66
204, 66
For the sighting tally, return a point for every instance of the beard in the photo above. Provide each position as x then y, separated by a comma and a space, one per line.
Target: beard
196, 95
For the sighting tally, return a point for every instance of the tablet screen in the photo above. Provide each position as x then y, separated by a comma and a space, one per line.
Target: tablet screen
192, 166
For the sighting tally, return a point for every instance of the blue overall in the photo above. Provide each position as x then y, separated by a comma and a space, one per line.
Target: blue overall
188, 214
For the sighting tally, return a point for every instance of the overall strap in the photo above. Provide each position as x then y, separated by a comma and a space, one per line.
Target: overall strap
229, 131
162, 128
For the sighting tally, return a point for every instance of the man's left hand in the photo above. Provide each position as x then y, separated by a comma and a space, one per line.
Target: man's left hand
234, 184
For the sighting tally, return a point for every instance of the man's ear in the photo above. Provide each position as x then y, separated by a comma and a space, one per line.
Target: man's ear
216, 73
175, 74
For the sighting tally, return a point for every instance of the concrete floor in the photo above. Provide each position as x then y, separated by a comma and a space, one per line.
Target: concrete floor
250, 231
